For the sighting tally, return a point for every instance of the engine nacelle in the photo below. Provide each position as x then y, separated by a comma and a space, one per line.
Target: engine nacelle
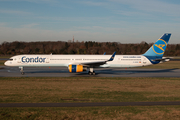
76, 68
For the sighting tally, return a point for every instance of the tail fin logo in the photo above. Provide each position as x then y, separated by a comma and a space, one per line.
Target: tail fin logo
159, 47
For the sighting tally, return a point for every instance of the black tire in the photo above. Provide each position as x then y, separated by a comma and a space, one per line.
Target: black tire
90, 73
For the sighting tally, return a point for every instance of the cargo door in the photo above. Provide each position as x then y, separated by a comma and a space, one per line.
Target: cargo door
18, 60
144, 61
47, 60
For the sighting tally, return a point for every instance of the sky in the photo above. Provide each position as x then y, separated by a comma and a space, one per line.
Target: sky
124, 21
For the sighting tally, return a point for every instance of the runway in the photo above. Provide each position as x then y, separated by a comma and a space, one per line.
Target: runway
88, 104
100, 72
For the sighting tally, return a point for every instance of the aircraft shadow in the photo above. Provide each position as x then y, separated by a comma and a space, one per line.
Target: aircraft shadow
48, 71
103, 71
131, 71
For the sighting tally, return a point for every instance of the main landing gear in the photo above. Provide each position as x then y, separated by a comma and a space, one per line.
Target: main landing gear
21, 70
91, 72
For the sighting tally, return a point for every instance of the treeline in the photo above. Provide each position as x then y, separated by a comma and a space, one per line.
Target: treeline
88, 47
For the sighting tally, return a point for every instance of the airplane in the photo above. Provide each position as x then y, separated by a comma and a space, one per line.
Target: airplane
80, 63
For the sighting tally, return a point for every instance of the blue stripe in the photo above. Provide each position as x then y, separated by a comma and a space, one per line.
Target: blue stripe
73, 68
151, 58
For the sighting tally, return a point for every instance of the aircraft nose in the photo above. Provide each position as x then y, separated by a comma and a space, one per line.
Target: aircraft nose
6, 63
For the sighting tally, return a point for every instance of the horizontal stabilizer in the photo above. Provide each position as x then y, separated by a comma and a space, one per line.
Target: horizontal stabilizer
162, 60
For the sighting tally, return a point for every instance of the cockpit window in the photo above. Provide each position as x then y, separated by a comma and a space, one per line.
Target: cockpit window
11, 59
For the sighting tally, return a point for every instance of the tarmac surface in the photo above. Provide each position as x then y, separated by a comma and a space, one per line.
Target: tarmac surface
88, 104
100, 72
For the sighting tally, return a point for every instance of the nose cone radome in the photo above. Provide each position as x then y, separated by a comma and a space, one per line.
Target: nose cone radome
6, 63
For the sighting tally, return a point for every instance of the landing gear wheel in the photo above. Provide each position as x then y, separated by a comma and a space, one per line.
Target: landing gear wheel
22, 73
91, 73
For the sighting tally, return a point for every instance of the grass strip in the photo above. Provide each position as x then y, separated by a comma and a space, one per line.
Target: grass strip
125, 113
84, 89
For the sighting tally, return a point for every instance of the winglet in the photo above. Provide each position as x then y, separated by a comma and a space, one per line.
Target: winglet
112, 57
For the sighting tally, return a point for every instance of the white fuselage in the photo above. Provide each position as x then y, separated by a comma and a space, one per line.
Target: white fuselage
65, 60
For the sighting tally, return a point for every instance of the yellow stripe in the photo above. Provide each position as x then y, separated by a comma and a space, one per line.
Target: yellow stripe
79, 68
156, 52
70, 68
163, 41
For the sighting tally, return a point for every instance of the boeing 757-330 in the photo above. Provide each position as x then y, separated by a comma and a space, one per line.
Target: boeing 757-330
80, 63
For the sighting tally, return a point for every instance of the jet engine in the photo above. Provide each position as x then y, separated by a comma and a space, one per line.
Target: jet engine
76, 68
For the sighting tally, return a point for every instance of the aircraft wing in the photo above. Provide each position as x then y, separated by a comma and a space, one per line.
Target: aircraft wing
98, 63
94, 63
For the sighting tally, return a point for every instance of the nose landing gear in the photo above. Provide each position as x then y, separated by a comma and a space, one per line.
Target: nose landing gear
21, 70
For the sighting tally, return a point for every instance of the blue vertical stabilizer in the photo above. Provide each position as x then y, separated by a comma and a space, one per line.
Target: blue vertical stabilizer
157, 50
